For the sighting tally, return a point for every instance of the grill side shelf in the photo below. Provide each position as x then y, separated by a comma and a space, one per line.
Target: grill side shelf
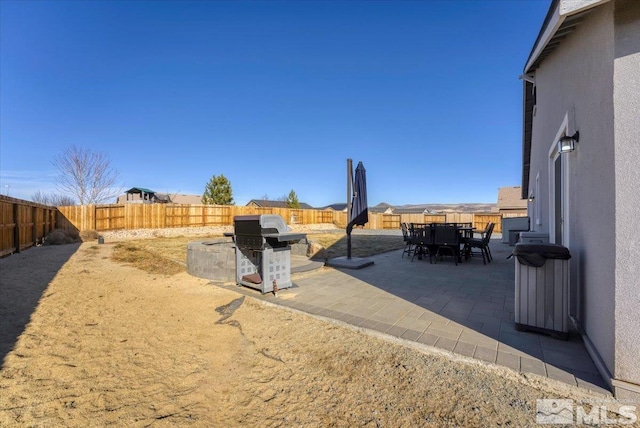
285, 237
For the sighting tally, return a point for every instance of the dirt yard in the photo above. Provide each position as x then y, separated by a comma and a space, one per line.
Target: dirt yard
90, 342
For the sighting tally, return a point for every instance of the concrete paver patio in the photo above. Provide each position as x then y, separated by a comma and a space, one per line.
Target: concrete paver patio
466, 309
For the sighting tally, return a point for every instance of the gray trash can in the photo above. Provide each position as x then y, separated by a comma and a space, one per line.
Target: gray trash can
542, 289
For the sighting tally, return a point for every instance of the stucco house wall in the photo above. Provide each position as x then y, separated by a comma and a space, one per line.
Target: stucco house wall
626, 96
576, 81
590, 83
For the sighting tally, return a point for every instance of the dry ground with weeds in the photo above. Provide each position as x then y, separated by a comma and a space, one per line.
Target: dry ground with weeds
90, 341
169, 254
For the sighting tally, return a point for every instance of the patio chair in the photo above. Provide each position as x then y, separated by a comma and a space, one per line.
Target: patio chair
406, 236
481, 244
423, 242
446, 239
472, 235
483, 232
466, 232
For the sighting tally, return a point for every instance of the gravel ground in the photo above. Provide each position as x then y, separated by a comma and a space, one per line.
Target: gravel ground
120, 235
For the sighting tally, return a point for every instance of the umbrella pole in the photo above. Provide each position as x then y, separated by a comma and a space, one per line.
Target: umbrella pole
349, 196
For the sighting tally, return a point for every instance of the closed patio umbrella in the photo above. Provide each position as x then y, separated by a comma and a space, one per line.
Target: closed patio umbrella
359, 214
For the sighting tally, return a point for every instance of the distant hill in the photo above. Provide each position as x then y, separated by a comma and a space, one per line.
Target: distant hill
460, 208
431, 208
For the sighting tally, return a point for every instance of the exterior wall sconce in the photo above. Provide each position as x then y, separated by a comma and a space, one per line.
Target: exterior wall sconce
567, 143
531, 197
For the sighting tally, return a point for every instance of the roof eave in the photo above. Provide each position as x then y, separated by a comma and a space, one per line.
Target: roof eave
559, 11
563, 16
527, 124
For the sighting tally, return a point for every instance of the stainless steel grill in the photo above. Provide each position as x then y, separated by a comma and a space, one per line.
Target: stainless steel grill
263, 251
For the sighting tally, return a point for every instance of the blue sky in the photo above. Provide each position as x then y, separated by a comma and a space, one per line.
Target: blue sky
274, 95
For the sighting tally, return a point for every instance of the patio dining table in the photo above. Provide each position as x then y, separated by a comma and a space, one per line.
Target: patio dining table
418, 232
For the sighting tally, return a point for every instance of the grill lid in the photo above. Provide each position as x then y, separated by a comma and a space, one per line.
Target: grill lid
270, 226
259, 224
273, 223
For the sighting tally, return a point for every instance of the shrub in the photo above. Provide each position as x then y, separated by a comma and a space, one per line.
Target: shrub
61, 237
89, 235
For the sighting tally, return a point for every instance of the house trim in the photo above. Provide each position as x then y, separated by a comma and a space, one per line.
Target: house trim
614, 384
595, 356
537, 205
551, 25
562, 18
621, 384
564, 195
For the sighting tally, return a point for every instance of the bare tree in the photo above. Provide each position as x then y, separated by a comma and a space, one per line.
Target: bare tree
41, 198
86, 175
52, 199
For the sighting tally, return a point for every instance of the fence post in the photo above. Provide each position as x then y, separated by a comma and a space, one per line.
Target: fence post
16, 229
51, 223
34, 226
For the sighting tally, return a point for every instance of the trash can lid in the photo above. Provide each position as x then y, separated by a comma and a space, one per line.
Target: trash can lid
536, 254
547, 250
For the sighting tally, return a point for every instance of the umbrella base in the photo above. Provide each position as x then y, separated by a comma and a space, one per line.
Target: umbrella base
352, 263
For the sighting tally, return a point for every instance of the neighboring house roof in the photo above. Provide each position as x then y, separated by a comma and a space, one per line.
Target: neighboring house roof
185, 199
562, 18
509, 198
277, 204
174, 198
410, 210
139, 190
381, 209
383, 205
161, 197
142, 194
340, 206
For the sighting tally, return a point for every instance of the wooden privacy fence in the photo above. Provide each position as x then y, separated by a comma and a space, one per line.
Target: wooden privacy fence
159, 216
478, 220
23, 224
